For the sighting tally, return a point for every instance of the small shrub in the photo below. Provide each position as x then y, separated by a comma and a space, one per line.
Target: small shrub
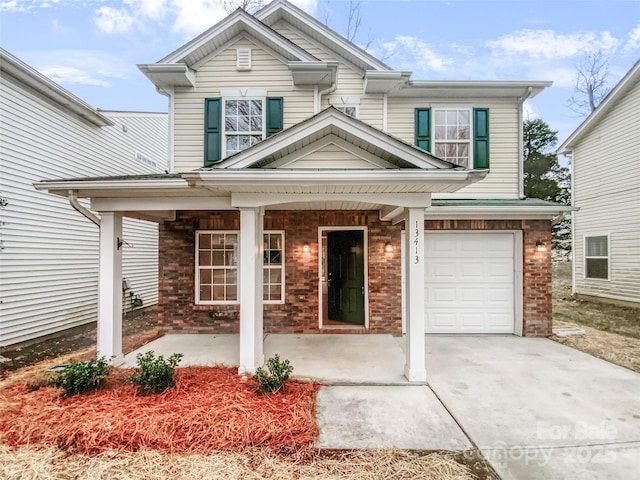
156, 374
81, 377
273, 378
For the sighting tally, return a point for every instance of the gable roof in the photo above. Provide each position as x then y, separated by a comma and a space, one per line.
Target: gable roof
625, 85
283, 10
334, 126
23, 73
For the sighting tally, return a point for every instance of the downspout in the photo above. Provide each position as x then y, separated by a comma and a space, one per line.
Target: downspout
73, 200
170, 101
521, 101
332, 88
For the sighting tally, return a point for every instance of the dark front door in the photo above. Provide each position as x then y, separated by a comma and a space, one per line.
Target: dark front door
345, 276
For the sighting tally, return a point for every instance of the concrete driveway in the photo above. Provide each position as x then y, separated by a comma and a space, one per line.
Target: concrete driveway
537, 409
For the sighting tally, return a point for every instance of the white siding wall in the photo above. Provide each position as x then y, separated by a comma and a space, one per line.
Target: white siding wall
49, 260
606, 188
502, 180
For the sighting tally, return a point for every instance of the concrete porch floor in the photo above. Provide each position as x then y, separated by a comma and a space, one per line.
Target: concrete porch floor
341, 359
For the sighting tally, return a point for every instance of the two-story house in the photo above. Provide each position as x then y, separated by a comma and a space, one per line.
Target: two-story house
315, 189
606, 229
49, 252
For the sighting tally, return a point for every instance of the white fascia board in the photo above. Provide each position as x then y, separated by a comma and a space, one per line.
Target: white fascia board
153, 204
227, 178
251, 24
491, 89
628, 81
405, 200
323, 73
332, 119
26, 75
376, 81
496, 213
62, 187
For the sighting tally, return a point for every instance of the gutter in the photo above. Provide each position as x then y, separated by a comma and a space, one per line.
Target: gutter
73, 200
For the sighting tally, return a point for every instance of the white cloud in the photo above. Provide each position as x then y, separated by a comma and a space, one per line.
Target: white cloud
529, 111
87, 67
414, 52
12, 7
551, 45
195, 16
112, 20
153, 9
71, 75
633, 42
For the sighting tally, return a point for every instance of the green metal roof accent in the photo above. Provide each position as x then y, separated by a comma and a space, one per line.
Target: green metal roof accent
497, 202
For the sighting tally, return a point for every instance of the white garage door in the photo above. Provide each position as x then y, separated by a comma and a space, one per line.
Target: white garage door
469, 282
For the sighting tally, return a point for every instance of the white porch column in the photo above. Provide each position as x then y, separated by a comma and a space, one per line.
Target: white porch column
250, 283
110, 288
414, 369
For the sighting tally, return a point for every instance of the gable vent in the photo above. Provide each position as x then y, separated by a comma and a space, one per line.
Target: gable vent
243, 59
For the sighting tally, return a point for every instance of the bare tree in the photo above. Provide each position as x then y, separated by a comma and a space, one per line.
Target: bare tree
354, 19
250, 6
592, 76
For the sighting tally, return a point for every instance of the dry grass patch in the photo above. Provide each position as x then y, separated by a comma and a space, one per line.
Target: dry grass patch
29, 463
211, 408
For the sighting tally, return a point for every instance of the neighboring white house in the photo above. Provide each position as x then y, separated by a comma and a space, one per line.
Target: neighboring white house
605, 161
49, 255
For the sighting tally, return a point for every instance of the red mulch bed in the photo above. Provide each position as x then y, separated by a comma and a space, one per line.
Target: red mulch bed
211, 408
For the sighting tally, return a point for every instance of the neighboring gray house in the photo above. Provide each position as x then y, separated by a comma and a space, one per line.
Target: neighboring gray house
605, 160
49, 255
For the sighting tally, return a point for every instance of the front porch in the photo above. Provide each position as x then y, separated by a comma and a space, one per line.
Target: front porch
340, 359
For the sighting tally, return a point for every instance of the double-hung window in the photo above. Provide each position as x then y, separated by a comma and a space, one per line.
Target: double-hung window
457, 135
217, 267
243, 124
596, 257
452, 135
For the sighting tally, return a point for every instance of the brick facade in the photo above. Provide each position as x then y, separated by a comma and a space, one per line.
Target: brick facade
299, 313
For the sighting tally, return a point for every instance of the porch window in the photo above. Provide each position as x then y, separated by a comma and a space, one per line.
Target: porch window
596, 258
273, 274
216, 267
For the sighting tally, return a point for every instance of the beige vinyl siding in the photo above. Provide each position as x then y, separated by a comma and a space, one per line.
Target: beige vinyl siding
267, 72
605, 168
330, 156
49, 260
350, 79
503, 179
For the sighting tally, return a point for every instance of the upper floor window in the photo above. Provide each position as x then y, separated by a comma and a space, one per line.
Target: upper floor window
452, 135
352, 111
232, 124
596, 257
347, 105
457, 135
243, 124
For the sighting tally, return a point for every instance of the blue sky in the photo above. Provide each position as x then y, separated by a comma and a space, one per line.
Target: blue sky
91, 47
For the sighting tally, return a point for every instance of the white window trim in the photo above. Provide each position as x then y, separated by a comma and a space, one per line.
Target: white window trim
224, 126
585, 257
434, 109
197, 270
282, 267
344, 102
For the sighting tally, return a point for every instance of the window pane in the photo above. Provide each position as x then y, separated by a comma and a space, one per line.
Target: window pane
274, 292
463, 133
217, 258
205, 240
256, 124
440, 117
256, 107
218, 276
597, 246
205, 293
597, 268
440, 133
464, 116
205, 276
440, 150
243, 124
276, 276
243, 107
230, 108
275, 242
218, 293
265, 292
232, 277
265, 275
452, 133
232, 293
204, 257
231, 124
231, 239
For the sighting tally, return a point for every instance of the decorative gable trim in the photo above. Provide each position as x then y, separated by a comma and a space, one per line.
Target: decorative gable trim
243, 59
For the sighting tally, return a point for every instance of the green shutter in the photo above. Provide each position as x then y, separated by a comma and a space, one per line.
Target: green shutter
274, 115
423, 128
480, 138
212, 131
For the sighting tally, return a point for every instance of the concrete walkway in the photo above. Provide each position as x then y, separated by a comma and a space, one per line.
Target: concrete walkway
536, 409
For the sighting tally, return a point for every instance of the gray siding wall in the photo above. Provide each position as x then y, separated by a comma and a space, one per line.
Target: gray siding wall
49, 256
606, 188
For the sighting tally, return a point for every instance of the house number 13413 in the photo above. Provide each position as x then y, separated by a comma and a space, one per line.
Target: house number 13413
416, 242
